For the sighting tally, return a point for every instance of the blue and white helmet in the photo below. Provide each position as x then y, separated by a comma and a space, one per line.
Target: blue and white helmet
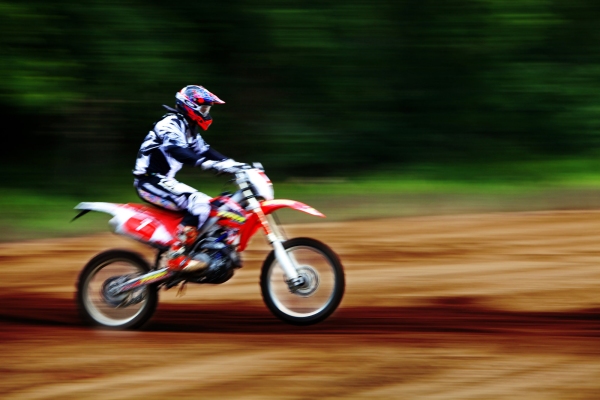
195, 102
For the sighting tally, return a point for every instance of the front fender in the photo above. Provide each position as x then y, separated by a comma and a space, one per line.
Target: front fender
269, 206
272, 205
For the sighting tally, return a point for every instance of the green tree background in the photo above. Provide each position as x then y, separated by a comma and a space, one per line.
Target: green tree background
313, 88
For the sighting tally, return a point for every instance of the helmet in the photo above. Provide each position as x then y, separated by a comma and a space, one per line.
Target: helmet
194, 102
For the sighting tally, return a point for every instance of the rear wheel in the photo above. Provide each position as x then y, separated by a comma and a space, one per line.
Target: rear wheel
320, 294
99, 307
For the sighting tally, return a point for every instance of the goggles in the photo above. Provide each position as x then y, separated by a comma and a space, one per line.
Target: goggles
203, 110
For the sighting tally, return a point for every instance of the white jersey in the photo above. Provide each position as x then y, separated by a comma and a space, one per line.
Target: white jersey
171, 144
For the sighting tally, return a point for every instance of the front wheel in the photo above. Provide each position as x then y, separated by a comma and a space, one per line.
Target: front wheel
99, 306
321, 292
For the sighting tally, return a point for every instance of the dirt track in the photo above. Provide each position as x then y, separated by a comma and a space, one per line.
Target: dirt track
491, 306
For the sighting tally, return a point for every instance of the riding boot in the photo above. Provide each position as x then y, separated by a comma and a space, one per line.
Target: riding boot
177, 255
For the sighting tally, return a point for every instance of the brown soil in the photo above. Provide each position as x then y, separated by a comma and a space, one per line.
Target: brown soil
491, 306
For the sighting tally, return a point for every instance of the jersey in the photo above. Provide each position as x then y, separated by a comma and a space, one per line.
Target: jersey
170, 144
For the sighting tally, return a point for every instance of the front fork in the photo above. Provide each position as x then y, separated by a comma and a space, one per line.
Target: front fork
287, 264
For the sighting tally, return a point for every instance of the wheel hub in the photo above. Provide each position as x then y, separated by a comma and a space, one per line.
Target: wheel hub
111, 293
309, 284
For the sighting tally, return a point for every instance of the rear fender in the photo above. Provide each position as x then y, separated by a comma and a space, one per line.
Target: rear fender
269, 206
146, 224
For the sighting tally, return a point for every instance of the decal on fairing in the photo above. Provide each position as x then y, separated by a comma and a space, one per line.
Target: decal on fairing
233, 216
157, 275
142, 226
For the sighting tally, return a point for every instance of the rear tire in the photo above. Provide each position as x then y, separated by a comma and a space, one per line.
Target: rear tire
92, 305
324, 288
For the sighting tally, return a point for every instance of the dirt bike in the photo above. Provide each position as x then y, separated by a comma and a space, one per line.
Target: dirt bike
302, 279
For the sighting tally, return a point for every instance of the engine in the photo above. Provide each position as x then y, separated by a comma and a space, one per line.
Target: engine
223, 259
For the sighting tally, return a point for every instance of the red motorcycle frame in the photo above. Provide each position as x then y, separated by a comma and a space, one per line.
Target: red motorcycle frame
302, 279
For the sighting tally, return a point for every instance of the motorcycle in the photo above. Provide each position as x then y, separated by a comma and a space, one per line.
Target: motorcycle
301, 280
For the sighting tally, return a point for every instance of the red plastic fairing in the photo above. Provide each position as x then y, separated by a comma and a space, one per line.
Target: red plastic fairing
170, 219
253, 224
146, 221
248, 230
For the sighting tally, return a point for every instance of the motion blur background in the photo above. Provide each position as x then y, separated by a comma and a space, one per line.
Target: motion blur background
382, 107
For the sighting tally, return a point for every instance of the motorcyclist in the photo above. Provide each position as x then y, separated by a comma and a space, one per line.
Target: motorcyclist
174, 141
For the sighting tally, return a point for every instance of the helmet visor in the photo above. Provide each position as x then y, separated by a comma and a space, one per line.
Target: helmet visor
204, 110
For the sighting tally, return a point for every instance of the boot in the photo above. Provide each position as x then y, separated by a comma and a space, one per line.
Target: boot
177, 254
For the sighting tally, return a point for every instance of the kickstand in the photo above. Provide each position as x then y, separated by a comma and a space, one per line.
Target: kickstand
181, 290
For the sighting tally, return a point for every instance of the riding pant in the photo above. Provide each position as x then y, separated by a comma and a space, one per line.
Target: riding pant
172, 195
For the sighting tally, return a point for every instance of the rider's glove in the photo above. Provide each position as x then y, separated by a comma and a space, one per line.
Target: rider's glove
228, 166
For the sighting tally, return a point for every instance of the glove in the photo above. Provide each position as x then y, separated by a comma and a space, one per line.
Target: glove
228, 166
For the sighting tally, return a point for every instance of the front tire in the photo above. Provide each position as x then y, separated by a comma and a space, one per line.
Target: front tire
324, 283
98, 310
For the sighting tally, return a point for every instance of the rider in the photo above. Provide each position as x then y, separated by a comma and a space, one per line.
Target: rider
175, 141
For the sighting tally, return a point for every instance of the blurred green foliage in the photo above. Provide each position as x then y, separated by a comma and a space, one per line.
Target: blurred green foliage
313, 88
417, 190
